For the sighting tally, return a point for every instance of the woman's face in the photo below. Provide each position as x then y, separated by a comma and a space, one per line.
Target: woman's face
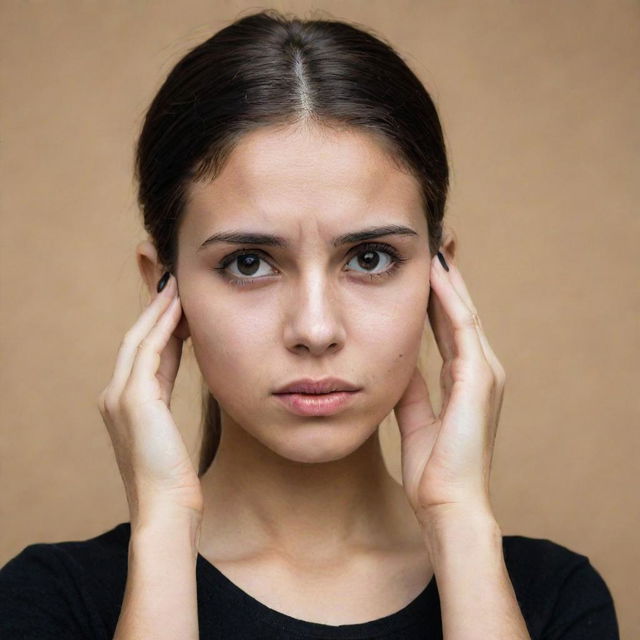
261, 316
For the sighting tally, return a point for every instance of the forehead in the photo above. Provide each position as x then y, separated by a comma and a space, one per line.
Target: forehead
299, 177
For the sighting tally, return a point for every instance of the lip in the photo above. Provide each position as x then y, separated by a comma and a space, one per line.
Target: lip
310, 386
316, 404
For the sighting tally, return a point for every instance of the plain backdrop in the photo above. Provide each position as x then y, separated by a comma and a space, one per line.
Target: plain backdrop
539, 102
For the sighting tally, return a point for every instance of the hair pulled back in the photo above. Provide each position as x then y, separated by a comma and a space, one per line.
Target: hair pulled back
269, 69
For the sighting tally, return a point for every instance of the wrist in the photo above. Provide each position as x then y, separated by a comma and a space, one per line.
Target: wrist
168, 524
457, 529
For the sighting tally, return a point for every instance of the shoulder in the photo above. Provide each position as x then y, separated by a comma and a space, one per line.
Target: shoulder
559, 590
57, 561
53, 588
535, 558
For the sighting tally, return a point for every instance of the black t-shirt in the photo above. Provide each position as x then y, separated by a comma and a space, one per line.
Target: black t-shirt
74, 590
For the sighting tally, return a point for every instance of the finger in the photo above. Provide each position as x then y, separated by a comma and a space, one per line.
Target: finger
169, 364
460, 286
133, 337
462, 321
149, 353
441, 327
495, 372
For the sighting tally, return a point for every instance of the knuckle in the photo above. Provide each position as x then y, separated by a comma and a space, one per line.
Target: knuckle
472, 319
108, 402
468, 320
146, 344
485, 372
100, 401
130, 398
128, 339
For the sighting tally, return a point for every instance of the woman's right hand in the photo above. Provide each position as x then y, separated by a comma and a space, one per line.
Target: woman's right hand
159, 477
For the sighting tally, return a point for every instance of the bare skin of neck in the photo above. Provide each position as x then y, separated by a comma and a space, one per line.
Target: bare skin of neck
287, 532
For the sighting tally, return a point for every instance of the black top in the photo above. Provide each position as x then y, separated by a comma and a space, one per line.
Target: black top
74, 590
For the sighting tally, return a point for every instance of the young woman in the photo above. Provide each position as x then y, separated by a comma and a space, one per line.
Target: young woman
293, 177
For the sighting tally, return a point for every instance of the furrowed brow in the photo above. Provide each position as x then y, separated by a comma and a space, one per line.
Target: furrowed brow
374, 232
244, 237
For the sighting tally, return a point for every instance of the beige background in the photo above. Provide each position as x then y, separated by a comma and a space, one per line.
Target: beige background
539, 101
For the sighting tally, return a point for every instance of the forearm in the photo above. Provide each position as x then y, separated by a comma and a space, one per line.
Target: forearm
160, 599
477, 599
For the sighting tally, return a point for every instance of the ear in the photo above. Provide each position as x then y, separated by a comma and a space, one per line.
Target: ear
150, 268
448, 244
151, 271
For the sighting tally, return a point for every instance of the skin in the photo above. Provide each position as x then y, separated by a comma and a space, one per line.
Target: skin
301, 513
307, 503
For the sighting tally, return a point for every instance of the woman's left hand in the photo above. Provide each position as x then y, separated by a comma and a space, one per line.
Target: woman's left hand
446, 459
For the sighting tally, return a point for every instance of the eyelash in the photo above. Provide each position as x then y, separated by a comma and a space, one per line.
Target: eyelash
396, 261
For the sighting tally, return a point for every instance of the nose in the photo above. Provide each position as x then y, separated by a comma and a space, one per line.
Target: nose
313, 317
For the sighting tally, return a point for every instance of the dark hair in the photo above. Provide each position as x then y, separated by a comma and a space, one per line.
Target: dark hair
271, 69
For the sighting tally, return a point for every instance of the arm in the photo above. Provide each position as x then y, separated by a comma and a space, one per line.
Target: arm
477, 599
162, 487
446, 465
160, 598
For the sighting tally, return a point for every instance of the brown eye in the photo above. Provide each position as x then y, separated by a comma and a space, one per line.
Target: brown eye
370, 259
367, 257
248, 264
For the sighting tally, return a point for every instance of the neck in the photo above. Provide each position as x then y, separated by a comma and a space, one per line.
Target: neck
257, 501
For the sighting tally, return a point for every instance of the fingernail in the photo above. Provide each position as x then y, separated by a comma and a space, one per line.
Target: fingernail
443, 262
163, 281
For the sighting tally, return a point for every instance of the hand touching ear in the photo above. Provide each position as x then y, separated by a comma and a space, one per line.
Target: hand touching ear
152, 270
159, 478
446, 459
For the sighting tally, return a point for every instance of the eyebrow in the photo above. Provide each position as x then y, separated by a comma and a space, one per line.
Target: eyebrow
247, 237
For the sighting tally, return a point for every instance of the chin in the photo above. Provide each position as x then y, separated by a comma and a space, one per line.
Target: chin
315, 444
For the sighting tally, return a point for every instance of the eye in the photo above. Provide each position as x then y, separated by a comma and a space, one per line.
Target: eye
368, 257
248, 262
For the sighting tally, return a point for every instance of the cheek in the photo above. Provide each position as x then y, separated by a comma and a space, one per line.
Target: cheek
238, 345
393, 340
396, 316
230, 347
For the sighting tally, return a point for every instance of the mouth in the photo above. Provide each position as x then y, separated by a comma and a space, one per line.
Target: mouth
325, 386
316, 404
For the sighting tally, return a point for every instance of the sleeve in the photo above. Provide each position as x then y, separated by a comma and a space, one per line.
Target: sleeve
584, 609
36, 597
